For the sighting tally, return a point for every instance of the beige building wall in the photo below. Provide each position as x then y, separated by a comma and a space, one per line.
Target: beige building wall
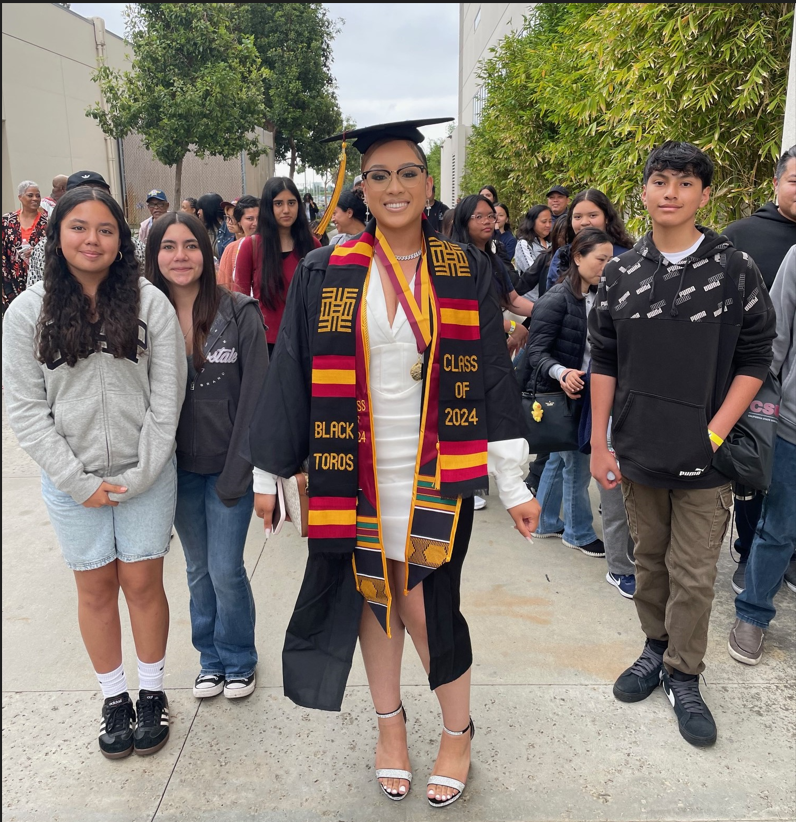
49, 54
481, 26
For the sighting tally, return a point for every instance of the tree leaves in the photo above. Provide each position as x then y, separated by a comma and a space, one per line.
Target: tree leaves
583, 93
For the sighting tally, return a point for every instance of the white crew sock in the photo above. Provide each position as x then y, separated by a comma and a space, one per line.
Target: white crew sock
113, 683
150, 675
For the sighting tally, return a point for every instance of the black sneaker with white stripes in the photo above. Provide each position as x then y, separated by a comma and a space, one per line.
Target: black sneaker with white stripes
116, 727
152, 731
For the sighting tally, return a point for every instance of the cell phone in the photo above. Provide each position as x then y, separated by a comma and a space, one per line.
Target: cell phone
279, 517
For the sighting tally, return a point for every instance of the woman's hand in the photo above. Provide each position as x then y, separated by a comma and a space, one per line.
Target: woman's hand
264, 505
526, 517
100, 496
572, 383
517, 339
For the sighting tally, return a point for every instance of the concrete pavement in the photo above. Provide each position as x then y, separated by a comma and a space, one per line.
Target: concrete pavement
549, 635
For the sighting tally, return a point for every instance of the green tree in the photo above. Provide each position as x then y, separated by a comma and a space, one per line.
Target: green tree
294, 41
582, 94
434, 155
194, 85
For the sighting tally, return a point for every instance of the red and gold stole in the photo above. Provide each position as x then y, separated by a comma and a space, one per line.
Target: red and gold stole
452, 448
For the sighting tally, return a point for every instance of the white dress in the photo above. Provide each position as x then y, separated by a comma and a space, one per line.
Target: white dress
396, 405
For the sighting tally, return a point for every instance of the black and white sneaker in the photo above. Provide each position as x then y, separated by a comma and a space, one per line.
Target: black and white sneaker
595, 548
696, 723
236, 687
208, 685
116, 727
641, 678
739, 577
152, 731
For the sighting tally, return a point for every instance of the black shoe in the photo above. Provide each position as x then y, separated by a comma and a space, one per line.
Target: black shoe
697, 725
152, 731
116, 728
596, 548
739, 577
641, 678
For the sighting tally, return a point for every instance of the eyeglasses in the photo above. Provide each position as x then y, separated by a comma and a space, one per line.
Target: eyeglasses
379, 178
480, 218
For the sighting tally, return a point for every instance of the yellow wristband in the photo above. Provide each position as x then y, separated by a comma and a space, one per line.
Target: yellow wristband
715, 438
512, 326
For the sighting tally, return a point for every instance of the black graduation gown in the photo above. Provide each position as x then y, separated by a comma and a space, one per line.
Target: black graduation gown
322, 633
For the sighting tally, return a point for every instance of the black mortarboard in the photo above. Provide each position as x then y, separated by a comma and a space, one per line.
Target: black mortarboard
363, 138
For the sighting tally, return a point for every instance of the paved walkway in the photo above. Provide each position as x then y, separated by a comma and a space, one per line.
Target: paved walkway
549, 634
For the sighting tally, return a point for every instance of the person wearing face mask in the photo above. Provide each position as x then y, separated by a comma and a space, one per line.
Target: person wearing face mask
391, 375
227, 359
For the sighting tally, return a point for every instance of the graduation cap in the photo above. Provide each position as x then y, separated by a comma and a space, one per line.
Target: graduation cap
363, 138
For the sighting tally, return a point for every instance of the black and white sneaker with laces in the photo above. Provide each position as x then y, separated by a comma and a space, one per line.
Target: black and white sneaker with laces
208, 685
696, 723
116, 727
238, 686
641, 678
152, 731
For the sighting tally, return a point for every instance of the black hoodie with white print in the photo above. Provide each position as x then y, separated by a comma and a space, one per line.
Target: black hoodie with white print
675, 336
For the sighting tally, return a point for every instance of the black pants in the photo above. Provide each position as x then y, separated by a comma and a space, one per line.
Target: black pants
747, 513
537, 467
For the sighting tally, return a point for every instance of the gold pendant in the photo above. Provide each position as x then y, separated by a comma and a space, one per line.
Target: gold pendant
416, 371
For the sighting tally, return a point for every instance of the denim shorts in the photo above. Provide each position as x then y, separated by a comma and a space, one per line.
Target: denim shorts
130, 531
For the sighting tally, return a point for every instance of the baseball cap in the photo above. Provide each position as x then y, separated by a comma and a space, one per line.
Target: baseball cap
358, 179
558, 190
86, 178
157, 194
229, 203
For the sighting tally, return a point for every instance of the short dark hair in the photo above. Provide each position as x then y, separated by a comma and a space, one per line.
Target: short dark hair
683, 157
783, 161
352, 200
244, 203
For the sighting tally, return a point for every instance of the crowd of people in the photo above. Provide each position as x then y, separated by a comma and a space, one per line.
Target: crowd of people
176, 379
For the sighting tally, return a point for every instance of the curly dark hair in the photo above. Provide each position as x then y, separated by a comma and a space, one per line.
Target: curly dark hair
70, 327
206, 303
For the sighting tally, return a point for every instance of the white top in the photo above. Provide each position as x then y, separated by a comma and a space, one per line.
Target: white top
396, 406
675, 257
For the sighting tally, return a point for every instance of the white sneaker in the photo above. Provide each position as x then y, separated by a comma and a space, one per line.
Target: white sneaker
480, 503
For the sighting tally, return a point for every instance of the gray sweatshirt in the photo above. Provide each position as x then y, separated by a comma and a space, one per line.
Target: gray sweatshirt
783, 298
103, 418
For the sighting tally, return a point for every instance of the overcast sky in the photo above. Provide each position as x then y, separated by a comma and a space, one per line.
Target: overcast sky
391, 61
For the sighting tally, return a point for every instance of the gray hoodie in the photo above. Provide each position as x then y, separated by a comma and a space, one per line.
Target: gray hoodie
103, 418
783, 298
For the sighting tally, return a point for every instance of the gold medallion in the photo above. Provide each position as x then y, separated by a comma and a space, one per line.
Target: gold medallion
416, 371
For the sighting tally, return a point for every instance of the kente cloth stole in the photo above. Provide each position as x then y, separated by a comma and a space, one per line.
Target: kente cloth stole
452, 449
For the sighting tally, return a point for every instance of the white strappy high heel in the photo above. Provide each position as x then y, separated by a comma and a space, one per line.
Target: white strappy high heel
394, 773
447, 781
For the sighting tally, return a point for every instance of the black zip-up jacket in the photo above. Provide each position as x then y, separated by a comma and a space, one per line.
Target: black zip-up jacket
557, 336
675, 336
221, 398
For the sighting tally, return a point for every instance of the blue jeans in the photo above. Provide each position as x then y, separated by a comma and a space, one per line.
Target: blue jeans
775, 538
566, 478
222, 605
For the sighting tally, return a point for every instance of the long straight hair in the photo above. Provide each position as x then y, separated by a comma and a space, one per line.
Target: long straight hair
206, 303
65, 329
273, 288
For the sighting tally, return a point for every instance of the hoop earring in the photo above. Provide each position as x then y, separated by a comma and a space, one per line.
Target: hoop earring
119, 258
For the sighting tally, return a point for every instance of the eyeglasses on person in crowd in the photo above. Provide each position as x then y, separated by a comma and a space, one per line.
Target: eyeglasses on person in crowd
379, 178
480, 218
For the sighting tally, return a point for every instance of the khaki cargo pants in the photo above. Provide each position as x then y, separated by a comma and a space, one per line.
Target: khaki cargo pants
677, 536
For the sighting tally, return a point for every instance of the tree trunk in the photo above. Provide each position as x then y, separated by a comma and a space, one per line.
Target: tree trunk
292, 157
178, 185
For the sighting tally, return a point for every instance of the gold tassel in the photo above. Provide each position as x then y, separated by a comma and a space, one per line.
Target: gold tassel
338, 188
